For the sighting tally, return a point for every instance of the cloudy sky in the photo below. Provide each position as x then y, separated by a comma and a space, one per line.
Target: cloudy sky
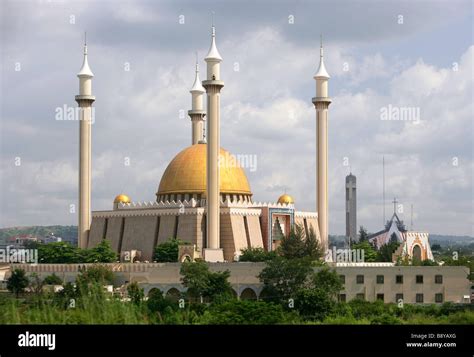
412, 54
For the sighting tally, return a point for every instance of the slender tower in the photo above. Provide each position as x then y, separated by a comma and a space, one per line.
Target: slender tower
351, 207
84, 100
197, 112
321, 103
213, 85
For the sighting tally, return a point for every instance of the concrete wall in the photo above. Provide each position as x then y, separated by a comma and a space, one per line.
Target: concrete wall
114, 233
455, 283
454, 287
97, 232
167, 228
139, 233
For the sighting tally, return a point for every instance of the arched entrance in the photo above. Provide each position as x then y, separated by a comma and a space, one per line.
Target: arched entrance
416, 253
173, 294
248, 294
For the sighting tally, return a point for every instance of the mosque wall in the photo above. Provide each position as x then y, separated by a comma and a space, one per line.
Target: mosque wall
167, 228
227, 236
114, 232
97, 232
255, 231
139, 233
190, 229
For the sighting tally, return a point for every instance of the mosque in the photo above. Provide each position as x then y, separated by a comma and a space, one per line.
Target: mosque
204, 197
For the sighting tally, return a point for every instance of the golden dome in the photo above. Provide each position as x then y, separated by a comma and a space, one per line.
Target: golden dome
286, 199
122, 199
186, 173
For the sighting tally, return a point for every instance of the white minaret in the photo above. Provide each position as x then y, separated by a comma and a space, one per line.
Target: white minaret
213, 85
321, 103
84, 100
197, 112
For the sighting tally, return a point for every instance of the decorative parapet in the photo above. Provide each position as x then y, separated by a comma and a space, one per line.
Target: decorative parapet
241, 211
301, 214
155, 211
244, 204
153, 204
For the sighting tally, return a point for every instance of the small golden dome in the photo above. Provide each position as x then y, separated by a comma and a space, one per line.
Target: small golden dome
186, 173
122, 199
286, 199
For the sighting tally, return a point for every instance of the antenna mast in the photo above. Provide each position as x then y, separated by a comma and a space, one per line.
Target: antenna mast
383, 188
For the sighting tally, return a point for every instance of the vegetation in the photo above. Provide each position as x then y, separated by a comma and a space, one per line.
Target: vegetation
18, 282
363, 235
370, 254
167, 252
298, 244
201, 283
64, 253
86, 302
52, 280
297, 289
256, 255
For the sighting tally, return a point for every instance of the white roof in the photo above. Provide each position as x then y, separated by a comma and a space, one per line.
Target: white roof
85, 70
197, 85
213, 54
321, 73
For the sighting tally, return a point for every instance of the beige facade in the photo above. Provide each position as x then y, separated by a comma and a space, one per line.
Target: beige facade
142, 226
448, 283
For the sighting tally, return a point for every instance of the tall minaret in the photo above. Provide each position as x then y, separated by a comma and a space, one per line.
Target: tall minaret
197, 113
84, 100
213, 85
321, 103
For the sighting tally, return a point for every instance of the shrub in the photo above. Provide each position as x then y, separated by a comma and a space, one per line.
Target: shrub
256, 255
52, 280
167, 252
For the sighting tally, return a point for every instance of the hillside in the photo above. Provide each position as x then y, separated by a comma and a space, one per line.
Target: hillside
68, 233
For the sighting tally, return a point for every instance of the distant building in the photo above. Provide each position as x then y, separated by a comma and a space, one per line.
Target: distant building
351, 207
413, 245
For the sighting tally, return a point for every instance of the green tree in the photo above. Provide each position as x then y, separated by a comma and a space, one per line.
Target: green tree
293, 246
52, 280
318, 300
256, 255
328, 280
157, 303
363, 235
436, 247
167, 252
17, 282
238, 312
384, 254
312, 247
135, 293
282, 278
370, 255
58, 253
95, 275
314, 303
201, 282
102, 253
